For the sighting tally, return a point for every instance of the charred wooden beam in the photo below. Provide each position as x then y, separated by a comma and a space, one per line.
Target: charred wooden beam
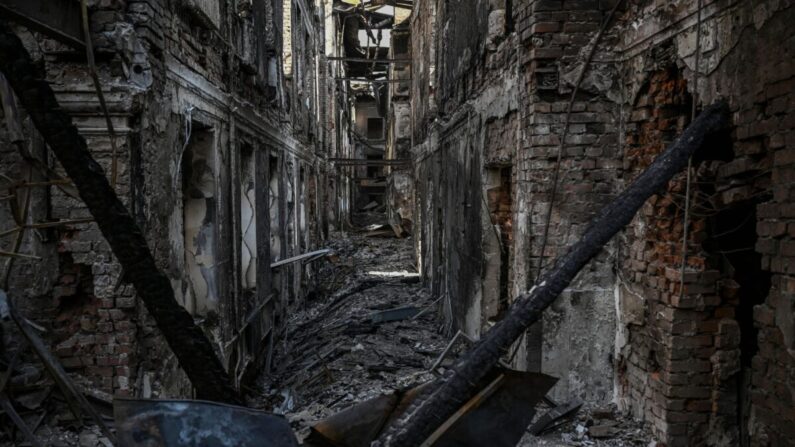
459, 384
364, 161
193, 350
370, 61
374, 81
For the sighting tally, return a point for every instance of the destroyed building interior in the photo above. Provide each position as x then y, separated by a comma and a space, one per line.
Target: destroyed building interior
397, 223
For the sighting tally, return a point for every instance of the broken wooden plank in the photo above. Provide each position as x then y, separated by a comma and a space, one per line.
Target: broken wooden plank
458, 385
73, 396
19, 255
12, 413
190, 345
496, 416
450, 344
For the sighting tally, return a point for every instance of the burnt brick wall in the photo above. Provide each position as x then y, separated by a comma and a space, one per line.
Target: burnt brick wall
157, 59
465, 121
709, 366
574, 339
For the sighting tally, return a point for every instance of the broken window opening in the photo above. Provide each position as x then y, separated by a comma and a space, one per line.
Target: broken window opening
248, 220
302, 223
499, 203
733, 240
276, 231
374, 171
200, 289
273, 208
287, 38
375, 128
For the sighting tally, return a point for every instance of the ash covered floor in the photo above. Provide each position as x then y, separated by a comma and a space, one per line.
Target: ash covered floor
335, 355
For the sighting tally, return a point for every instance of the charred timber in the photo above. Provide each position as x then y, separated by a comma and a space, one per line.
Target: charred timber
459, 384
193, 350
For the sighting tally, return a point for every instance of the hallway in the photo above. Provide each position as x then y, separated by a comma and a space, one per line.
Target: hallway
336, 351
381, 223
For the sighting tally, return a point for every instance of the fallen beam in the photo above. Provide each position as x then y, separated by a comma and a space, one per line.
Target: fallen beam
193, 350
74, 398
374, 81
448, 393
364, 161
369, 61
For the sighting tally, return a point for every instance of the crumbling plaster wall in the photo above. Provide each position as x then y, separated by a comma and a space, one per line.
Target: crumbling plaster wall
169, 77
497, 77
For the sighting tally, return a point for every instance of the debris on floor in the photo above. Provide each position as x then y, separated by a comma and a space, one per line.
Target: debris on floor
374, 336
370, 336
590, 426
496, 416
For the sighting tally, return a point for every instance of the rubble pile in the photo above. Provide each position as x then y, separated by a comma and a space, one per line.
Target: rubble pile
375, 334
373, 331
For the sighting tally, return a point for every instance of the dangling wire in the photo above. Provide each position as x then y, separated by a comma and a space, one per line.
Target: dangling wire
685, 231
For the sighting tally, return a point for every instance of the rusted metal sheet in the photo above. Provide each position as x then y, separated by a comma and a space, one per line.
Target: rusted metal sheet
355, 426
59, 19
498, 417
190, 423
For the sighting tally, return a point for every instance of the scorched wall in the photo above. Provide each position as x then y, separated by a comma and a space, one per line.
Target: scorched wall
219, 156
706, 357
